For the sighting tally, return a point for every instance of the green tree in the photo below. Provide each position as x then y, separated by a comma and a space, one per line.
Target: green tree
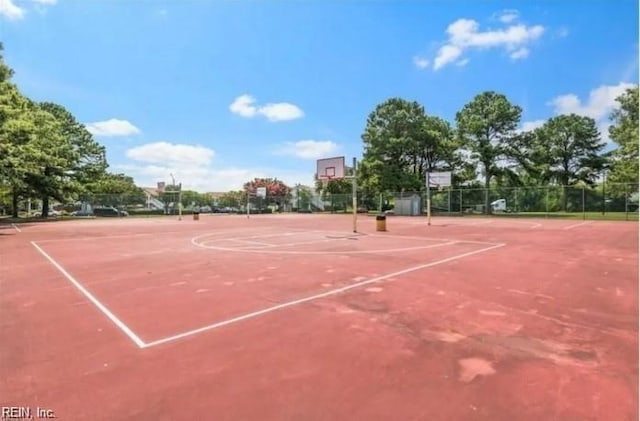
624, 132
110, 189
485, 126
569, 149
401, 143
232, 199
52, 177
89, 161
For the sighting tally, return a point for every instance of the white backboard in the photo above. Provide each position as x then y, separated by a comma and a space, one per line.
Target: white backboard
330, 168
261, 192
439, 179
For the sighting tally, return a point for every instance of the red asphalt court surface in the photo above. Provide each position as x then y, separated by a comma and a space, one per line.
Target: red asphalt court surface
294, 317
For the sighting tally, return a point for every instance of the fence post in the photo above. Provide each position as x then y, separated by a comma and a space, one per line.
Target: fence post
584, 211
547, 202
461, 211
516, 204
604, 195
626, 202
380, 204
449, 201
486, 201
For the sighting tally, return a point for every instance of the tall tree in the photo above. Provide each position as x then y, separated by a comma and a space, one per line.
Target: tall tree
73, 157
485, 126
400, 144
90, 162
55, 158
624, 132
568, 147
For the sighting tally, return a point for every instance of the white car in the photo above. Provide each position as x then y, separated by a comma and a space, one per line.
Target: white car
52, 212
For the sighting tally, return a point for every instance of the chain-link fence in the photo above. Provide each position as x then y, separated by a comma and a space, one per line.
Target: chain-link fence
608, 201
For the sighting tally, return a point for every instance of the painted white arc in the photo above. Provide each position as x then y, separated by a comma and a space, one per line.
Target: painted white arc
91, 298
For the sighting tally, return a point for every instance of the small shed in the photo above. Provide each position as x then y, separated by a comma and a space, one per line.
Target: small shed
408, 206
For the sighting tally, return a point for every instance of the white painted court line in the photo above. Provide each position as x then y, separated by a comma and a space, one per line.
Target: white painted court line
568, 227
431, 239
141, 234
205, 244
314, 297
301, 243
124, 328
16, 227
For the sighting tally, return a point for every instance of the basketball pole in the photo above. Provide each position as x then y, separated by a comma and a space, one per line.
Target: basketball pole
354, 197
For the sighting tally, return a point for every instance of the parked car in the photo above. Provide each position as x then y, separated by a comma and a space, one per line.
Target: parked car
82, 213
109, 211
52, 212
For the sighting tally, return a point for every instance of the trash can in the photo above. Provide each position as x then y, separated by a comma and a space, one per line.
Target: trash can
196, 216
381, 223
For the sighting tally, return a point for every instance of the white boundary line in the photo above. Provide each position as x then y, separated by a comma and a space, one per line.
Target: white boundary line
314, 297
196, 242
568, 227
430, 239
98, 237
16, 227
124, 328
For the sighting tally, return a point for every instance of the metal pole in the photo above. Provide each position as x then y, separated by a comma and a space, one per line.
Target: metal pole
428, 200
180, 203
354, 197
584, 211
449, 201
547, 202
247, 203
604, 193
626, 203
461, 209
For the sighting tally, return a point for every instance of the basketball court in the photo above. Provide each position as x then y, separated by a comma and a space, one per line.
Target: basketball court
296, 316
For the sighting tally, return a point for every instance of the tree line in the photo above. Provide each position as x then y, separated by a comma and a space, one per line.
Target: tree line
46, 153
485, 148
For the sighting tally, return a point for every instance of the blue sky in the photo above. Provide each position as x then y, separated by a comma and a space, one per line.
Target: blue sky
220, 92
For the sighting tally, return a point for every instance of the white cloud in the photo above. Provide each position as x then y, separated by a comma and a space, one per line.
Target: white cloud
242, 106
509, 16
9, 10
47, 2
172, 153
599, 106
308, 149
464, 34
281, 111
520, 53
420, 62
446, 54
601, 102
462, 62
112, 128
